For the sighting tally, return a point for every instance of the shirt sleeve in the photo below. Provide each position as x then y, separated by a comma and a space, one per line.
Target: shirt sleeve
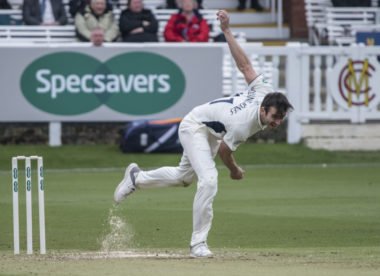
261, 85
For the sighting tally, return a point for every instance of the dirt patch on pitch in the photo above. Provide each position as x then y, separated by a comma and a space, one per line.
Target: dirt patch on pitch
172, 262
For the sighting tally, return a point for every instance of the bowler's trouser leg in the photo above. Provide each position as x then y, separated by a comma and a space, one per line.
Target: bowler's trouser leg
182, 175
201, 150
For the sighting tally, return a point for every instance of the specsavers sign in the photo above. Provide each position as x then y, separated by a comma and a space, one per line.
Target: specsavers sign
119, 85
124, 83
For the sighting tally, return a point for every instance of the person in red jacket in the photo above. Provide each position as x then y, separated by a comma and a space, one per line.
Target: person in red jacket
187, 25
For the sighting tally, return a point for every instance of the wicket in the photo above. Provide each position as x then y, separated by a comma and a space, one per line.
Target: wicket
41, 203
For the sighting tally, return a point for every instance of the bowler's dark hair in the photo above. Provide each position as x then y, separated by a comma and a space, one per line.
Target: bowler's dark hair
277, 100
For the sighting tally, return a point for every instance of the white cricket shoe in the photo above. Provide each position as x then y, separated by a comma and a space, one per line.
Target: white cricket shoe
128, 184
200, 250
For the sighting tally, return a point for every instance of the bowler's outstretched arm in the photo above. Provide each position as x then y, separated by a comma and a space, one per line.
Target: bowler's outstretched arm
241, 59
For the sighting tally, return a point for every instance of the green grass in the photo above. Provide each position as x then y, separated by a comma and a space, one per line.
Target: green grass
100, 156
297, 212
301, 209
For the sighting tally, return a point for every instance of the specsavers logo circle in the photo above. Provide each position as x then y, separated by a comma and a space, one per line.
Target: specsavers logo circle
136, 83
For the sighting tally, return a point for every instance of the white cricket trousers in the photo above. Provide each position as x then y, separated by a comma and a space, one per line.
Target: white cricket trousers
200, 149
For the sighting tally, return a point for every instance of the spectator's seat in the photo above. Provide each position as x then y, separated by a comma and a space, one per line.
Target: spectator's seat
316, 19
39, 34
148, 4
341, 21
16, 4
10, 17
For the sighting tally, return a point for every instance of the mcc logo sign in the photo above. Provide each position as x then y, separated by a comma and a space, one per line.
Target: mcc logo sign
356, 83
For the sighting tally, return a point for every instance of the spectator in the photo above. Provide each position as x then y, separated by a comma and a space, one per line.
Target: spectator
138, 24
97, 36
254, 5
79, 6
173, 4
96, 24
187, 25
4, 5
44, 12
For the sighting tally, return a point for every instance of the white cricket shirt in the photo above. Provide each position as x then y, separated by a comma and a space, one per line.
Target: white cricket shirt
234, 119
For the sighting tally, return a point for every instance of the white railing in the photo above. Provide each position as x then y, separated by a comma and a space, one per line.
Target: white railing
314, 83
316, 19
38, 34
312, 76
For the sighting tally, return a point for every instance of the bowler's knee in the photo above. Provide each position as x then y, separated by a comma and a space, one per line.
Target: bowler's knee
209, 183
187, 176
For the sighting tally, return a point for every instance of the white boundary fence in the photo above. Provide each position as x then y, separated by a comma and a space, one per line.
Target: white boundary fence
324, 84
317, 79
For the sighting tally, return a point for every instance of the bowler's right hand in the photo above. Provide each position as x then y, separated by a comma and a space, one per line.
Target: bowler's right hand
237, 174
224, 19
